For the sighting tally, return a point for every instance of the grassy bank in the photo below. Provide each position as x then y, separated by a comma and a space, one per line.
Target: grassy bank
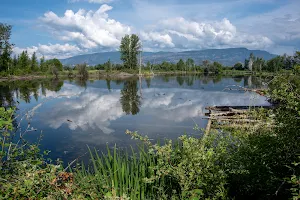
253, 162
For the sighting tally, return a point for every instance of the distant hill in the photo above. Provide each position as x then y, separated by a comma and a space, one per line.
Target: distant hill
227, 57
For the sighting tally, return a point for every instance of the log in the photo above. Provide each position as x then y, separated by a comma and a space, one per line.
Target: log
208, 126
214, 117
238, 120
238, 111
227, 108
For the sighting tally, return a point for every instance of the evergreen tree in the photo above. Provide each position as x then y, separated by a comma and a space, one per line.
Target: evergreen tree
23, 62
5, 46
42, 64
15, 61
181, 65
34, 63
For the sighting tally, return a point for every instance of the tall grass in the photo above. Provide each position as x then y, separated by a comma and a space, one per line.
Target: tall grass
118, 175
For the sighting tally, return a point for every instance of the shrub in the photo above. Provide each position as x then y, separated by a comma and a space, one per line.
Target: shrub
23, 170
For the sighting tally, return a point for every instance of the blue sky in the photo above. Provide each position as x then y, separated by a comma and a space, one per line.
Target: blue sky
63, 28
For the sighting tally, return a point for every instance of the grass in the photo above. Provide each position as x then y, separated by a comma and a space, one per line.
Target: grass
116, 174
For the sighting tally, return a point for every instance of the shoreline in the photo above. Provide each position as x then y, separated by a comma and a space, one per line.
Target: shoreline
126, 75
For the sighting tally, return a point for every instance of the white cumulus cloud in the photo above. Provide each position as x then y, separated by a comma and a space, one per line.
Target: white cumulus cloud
88, 29
51, 50
187, 34
159, 39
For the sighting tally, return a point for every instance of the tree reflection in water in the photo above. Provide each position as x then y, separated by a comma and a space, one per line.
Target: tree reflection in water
130, 100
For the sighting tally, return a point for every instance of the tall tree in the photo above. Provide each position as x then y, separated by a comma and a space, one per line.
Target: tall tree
5, 46
181, 65
190, 63
130, 48
15, 61
34, 63
42, 64
23, 62
249, 63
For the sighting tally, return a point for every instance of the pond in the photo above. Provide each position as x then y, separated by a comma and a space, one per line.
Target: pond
74, 114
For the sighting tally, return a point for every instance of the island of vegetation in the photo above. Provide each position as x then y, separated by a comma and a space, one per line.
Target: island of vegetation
258, 161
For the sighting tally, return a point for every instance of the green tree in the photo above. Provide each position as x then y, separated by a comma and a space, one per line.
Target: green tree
42, 64
181, 65
130, 48
24, 62
190, 63
5, 46
108, 66
217, 67
238, 66
53, 62
15, 61
148, 66
275, 64
34, 63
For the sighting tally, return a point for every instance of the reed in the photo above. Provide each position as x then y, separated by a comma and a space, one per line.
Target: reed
118, 174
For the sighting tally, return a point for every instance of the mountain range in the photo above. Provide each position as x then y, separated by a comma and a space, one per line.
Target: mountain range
227, 57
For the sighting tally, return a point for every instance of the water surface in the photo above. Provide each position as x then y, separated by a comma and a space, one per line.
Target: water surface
74, 114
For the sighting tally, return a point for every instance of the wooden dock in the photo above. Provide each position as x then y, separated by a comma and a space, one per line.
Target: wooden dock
231, 116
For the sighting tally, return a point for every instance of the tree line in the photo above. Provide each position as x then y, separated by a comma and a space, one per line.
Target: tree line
23, 63
130, 48
276, 64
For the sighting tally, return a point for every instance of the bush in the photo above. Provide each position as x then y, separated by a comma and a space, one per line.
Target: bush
23, 170
297, 69
195, 167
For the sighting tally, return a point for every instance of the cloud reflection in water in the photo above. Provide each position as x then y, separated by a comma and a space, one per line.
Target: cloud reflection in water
96, 108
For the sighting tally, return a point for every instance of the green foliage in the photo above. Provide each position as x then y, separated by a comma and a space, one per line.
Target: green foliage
275, 64
5, 47
181, 65
286, 90
51, 64
266, 153
22, 64
108, 66
214, 68
297, 69
196, 166
238, 66
116, 174
82, 71
294, 181
34, 64
129, 49
22, 168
